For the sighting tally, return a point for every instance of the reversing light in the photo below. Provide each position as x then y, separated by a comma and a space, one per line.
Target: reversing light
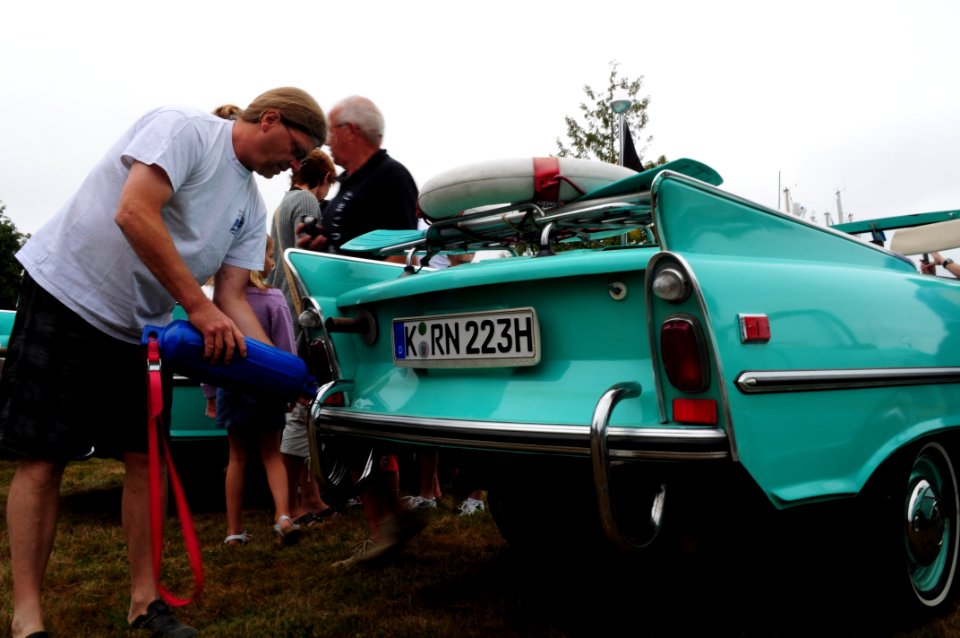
682, 352
670, 284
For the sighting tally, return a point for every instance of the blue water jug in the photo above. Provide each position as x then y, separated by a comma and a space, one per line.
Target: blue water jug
265, 369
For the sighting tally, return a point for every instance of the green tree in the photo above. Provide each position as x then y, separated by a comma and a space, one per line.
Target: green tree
598, 137
10, 270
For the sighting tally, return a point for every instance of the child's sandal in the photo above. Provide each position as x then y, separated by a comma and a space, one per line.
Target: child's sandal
238, 539
287, 532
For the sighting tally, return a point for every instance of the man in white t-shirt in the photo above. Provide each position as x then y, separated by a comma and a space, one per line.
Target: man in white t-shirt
172, 203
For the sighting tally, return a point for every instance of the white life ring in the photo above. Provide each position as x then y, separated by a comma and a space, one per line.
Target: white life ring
513, 181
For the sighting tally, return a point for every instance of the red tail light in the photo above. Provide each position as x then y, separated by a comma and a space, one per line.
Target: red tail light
695, 411
682, 351
335, 400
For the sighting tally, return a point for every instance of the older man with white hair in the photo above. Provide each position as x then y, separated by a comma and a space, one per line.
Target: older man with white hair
376, 191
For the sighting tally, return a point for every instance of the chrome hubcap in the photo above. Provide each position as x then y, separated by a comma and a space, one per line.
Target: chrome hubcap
925, 524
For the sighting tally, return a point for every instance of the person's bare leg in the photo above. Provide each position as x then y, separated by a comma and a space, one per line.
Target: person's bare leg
429, 481
233, 484
276, 473
32, 505
374, 510
310, 492
294, 467
375, 499
390, 474
437, 492
136, 527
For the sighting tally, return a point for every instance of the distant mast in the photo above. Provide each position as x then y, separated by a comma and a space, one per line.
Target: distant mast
840, 209
800, 210
787, 207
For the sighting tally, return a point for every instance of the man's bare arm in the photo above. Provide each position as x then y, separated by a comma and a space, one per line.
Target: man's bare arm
230, 295
139, 217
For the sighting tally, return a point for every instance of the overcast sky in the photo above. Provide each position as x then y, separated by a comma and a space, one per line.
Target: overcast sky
819, 96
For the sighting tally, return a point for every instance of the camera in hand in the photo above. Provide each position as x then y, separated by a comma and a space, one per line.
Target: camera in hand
311, 226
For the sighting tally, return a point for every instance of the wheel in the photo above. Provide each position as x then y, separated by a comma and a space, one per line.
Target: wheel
912, 534
931, 526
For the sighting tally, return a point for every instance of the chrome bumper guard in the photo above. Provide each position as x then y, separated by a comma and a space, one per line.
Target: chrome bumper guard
603, 444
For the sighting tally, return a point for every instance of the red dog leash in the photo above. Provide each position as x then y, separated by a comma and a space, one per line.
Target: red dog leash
154, 410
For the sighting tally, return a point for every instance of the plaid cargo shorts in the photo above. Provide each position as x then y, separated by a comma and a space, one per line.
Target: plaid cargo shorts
68, 390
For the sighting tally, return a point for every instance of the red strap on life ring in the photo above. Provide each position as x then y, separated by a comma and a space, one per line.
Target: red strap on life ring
154, 410
546, 179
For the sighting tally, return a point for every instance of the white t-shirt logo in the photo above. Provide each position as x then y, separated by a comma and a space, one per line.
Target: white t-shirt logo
237, 223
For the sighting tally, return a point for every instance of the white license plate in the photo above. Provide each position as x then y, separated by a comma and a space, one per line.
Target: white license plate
497, 338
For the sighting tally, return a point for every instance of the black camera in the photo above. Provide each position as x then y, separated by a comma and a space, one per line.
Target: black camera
311, 226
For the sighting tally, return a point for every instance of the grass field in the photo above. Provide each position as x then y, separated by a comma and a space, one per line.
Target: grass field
458, 578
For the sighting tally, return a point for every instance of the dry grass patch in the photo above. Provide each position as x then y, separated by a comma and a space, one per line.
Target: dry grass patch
457, 578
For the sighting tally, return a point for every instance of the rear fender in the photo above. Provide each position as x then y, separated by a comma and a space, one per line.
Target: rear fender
860, 356
323, 278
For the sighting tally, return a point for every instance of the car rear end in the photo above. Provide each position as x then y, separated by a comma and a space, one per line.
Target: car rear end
530, 373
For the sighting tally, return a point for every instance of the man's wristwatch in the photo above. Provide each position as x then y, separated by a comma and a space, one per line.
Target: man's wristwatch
946, 262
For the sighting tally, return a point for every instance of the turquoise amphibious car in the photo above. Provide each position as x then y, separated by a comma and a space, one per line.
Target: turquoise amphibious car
723, 344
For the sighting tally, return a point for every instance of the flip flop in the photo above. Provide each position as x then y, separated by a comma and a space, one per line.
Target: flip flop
238, 539
306, 520
324, 514
310, 519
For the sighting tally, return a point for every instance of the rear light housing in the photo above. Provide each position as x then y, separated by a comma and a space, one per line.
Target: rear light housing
684, 355
321, 367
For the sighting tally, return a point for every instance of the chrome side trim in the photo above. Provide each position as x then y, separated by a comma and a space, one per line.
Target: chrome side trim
626, 444
768, 381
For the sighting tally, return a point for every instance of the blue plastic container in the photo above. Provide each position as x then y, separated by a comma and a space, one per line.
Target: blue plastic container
265, 369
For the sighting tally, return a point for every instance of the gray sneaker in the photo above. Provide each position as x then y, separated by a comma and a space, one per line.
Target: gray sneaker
471, 506
394, 533
418, 503
357, 554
